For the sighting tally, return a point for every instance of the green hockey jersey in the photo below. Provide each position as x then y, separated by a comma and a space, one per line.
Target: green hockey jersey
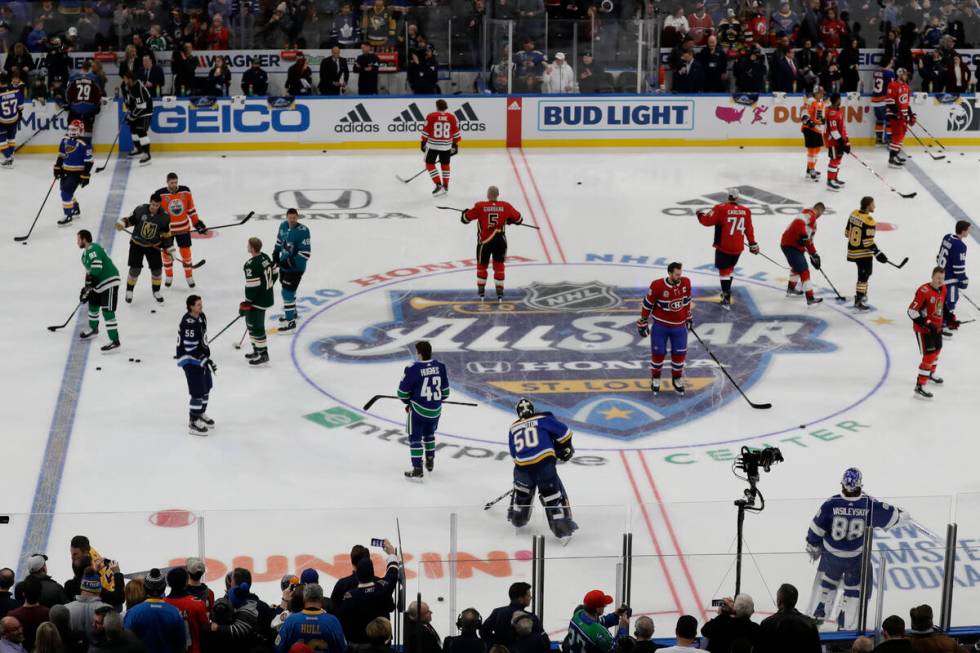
259, 278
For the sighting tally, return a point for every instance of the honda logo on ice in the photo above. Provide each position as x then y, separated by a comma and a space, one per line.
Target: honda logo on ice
323, 199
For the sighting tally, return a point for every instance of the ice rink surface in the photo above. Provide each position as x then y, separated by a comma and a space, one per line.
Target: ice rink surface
296, 472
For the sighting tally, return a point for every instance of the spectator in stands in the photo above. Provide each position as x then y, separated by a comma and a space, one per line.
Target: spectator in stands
924, 635
700, 24
423, 77
371, 598
366, 66
58, 64
714, 62
51, 592
686, 633
378, 25
135, 593
11, 636
784, 75
420, 636
195, 566
862, 645
219, 78
19, 60
643, 631
155, 40
37, 39
334, 73
832, 29
87, 27
184, 67
344, 30
933, 72
48, 640
755, 26
958, 77
529, 63
379, 636
130, 61
893, 632
848, 61
218, 35
59, 617
730, 31
677, 21
527, 635
689, 78
7, 602
592, 77
468, 640
932, 33
219, 8
830, 73
82, 609
809, 22
498, 627
253, 616
112, 636
734, 622
32, 614
559, 76
783, 22
807, 62
157, 624
151, 74
788, 629
312, 624
275, 33
193, 611
313, 30
255, 81
299, 78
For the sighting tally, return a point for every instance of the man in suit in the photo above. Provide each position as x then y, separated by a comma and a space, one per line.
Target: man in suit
333, 73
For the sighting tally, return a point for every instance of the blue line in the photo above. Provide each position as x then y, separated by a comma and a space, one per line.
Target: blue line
947, 202
59, 435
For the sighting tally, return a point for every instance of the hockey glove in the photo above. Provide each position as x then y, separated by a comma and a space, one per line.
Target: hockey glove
83, 294
275, 258
964, 282
813, 551
565, 452
422, 146
912, 118
58, 171
643, 328
214, 366
244, 308
462, 217
844, 146
754, 248
83, 180
880, 257
455, 150
815, 261
200, 227
119, 226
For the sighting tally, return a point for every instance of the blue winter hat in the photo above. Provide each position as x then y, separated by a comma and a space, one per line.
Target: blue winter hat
91, 583
309, 577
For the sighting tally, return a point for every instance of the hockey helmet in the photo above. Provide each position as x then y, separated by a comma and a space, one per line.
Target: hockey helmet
524, 408
734, 193
75, 128
853, 479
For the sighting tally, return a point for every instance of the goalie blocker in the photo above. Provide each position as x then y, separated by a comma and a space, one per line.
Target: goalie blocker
537, 441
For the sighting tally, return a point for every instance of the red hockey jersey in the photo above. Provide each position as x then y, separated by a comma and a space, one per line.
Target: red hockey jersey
732, 223
441, 131
670, 303
928, 303
799, 233
492, 217
835, 126
898, 97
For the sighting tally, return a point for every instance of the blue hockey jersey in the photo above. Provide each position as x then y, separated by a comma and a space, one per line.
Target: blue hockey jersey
840, 523
319, 630
533, 439
192, 341
423, 387
952, 257
292, 247
11, 101
75, 155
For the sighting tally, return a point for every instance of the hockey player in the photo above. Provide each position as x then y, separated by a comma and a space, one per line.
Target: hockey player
813, 122
260, 275
926, 311
879, 99
11, 107
836, 140
84, 99
139, 111
733, 225
669, 300
797, 239
492, 216
423, 388
178, 204
73, 167
194, 357
101, 289
440, 141
862, 250
952, 257
536, 440
900, 116
151, 234
836, 539
291, 253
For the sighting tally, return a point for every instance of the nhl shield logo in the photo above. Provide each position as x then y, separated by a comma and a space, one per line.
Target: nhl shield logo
571, 297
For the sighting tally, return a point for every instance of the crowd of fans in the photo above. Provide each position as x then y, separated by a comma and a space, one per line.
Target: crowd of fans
174, 611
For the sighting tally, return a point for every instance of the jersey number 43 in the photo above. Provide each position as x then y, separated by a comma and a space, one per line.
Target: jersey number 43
431, 388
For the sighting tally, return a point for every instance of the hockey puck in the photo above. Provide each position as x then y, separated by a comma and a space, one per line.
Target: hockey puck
153, 310
440, 599
802, 426
224, 156
98, 369
138, 360
741, 147
131, 360
24, 243
577, 182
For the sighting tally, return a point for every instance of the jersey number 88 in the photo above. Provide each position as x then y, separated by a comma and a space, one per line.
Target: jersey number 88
846, 529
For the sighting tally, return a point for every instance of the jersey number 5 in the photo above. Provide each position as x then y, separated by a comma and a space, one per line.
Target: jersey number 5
526, 438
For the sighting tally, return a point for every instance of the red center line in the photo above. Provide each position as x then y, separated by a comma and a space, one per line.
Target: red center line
527, 201
544, 208
653, 535
673, 537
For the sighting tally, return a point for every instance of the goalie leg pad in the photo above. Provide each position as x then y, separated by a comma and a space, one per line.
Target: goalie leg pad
555, 501
519, 512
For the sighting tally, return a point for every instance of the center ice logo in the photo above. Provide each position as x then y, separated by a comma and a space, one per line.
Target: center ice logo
573, 348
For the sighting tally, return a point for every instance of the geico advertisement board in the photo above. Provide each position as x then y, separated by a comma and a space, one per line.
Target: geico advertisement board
325, 120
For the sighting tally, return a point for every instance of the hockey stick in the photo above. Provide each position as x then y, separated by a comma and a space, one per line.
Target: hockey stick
65, 323
773, 261
39, 130
839, 296
23, 239
972, 303
241, 341
899, 265
518, 224
227, 326
882, 179
405, 181
722, 367
194, 266
491, 504
108, 156
234, 224
935, 157
923, 128
375, 398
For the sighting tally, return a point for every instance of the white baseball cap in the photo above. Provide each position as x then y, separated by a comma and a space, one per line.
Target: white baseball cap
560, 56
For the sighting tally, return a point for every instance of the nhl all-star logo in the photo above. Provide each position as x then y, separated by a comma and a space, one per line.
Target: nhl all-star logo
572, 297
573, 348
758, 200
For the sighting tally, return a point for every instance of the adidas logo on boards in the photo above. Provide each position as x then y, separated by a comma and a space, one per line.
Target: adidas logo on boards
357, 121
411, 119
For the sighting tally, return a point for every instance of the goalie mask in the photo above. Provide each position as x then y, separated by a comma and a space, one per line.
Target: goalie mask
853, 480
525, 408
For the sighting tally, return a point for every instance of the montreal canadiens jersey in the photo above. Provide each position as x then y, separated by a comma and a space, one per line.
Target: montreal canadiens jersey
423, 387
669, 303
533, 439
839, 525
952, 257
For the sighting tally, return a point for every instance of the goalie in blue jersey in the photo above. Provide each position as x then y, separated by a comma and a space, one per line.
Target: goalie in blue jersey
836, 539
